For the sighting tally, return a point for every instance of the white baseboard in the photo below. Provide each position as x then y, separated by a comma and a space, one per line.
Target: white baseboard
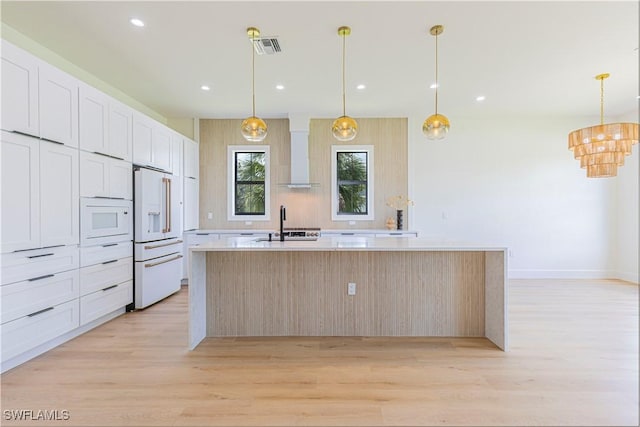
562, 274
628, 277
43, 348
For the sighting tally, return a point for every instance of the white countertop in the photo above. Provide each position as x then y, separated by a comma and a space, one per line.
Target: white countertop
328, 230
343, 243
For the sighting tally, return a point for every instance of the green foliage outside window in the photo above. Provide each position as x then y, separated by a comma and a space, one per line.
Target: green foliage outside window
250, 183
352, 183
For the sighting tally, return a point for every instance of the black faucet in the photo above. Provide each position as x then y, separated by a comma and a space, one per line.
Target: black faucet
283, 218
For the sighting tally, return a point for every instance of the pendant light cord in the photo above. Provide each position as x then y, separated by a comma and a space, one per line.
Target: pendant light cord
436, 74
602, 101
253, 77
344, 109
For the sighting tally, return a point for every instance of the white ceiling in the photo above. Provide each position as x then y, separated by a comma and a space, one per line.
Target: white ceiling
527, 58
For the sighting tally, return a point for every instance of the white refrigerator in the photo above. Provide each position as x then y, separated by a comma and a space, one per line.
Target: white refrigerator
157, 247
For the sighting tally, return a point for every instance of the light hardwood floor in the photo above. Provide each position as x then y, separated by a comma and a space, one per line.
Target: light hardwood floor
573, 361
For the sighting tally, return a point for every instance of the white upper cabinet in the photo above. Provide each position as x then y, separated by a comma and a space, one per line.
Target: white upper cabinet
176, 154
151, 143
142, 139
161, 147
102, 176
94, 116
105, 124
191, 159
20, 196
120, 130
58, 105
120, 179
19, 90
59, 195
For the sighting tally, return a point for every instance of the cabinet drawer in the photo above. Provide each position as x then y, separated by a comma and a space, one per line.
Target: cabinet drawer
28, 332
97, 277
25, 265
157, 249
103, 302
24, 298
92, 255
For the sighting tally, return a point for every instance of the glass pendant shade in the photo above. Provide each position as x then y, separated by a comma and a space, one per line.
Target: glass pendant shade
344, 128
602, 148
436, 126
253, 129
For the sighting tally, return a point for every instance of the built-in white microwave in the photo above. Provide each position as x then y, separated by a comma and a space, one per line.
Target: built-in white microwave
104, 221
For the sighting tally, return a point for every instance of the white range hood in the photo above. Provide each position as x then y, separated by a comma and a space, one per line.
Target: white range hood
299, 128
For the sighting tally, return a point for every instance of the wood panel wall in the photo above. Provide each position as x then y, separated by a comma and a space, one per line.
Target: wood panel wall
310, 207
305, 293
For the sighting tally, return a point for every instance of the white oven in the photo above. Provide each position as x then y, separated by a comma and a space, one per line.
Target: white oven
105, 221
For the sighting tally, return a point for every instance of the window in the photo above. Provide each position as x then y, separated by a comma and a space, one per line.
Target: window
249, 183
352, 182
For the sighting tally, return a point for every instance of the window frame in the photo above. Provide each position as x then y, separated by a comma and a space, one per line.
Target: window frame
231, 182
368, 149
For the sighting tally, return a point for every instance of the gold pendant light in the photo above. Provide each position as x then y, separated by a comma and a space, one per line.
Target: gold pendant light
602, 148
344, 128
253, 128
436, 126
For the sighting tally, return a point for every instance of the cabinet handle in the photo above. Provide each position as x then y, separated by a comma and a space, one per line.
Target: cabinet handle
177, 242
40, 256
246, 234
51, 140
40, 312
153, 264
109, 244
346, 234
109, 287
41, 277
110, 262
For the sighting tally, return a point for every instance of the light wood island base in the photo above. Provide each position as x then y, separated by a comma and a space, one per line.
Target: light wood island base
300, 289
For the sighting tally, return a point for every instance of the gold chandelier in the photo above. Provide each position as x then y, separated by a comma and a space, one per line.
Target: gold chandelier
344, 128
253, 128
436, 126
602, 148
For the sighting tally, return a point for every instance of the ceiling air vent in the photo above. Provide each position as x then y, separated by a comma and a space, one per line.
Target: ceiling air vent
266, 45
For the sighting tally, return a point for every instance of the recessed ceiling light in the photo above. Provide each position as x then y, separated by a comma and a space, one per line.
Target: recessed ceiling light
205, 87
361, 87
137, 22
638, 97
480, 98
280, 87
433, 86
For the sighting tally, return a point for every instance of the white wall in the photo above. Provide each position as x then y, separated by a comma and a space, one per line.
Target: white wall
626, 227
513, 182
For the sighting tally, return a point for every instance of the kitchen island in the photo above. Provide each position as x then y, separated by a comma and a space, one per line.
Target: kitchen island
403, 287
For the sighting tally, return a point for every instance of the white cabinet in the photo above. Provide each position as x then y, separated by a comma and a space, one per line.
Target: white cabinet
19, 91
142, 140
102, 176
191, 159
59, 195
20, 195
177, 154
151, 143
93, 119
120, 130
161, 147
40, 195
105, 124
58, 105
191, 204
